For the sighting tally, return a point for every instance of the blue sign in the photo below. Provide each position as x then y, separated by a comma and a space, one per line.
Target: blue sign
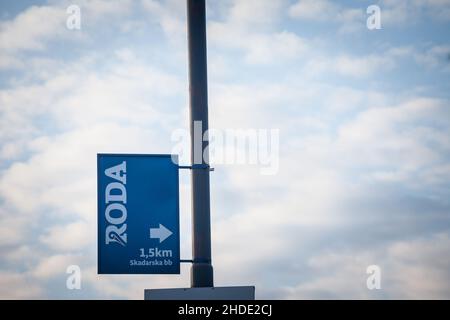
138, 214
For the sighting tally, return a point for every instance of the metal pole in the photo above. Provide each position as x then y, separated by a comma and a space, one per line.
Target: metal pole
202, 270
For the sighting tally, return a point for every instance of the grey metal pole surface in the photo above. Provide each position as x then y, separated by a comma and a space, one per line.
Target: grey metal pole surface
202, 270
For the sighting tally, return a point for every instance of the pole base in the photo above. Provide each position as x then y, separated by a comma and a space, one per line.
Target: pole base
201, 275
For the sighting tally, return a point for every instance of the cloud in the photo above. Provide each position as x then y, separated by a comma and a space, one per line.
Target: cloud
10, 62
73, 236
360, 67
12, 229
53, 164
313, 10
277, 47
40, 28
126, 287
32, 28
404, 12
329, 184
349, 19
103, 9
53, 266
255, 13
244, 32
387, 137
352, 19
17, 286
171, 17
349, 66
409, 270
435, 57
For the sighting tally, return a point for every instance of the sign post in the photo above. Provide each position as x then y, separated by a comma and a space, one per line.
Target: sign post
138, 214
202, 270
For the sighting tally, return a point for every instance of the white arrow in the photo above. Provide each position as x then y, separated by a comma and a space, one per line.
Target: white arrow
161, 233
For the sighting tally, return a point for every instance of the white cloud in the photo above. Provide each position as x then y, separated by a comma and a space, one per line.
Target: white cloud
32, 28
72, 96
74, 236
350, 19
314, 10
244, 32
436, 57
10, 62
414, 269
312, 188
37, 27
258, 48
56, 172
171, 16
385, 136
126, 287
17, 286
405, 12
15, 256
255, 13
95, 12
104, 9
266, 223
54, 266
360, 67
50, 175
12, 228
350, 66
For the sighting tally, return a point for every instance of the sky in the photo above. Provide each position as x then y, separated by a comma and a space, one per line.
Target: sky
364, 142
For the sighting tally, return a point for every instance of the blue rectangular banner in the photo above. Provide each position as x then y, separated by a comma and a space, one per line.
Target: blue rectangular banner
138, 214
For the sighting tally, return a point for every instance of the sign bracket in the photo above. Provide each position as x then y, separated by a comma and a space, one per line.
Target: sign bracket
194, 261
197, 166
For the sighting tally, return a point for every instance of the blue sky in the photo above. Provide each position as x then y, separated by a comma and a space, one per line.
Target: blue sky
364, 124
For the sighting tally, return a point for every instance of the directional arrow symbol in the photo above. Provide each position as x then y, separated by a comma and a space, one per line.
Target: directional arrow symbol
161, 233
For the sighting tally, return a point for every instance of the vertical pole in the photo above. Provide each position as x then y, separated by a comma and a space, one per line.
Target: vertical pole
202, 270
